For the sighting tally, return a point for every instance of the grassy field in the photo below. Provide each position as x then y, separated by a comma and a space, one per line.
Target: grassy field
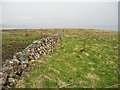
82, 58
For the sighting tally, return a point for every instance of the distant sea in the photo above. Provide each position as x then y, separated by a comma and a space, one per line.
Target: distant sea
109, 28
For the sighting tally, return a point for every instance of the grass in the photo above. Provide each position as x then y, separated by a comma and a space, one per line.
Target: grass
82, 58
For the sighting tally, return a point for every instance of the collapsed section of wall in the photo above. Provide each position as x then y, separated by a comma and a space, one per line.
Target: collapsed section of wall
13, 69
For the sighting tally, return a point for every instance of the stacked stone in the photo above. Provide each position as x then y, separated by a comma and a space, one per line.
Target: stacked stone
13, 69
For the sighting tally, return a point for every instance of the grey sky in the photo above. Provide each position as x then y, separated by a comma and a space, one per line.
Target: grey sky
101, 15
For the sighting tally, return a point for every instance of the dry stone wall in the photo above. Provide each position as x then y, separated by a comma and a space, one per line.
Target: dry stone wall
13, 69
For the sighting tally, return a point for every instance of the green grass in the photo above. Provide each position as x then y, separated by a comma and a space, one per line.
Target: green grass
83, 58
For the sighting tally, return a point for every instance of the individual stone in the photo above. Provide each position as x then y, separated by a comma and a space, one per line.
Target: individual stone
10, 80
16, 60
4, 69
22, 58
11, 62
36, 42
23, 66
19, 71
24, 62
1, 74
17, 54
2, 81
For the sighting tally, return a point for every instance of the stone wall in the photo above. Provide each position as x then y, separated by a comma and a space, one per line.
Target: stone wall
22, 61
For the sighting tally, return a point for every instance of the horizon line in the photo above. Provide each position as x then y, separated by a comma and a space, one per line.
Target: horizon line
54, 28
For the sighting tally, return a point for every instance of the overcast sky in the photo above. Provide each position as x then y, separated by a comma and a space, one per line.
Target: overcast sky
98, 15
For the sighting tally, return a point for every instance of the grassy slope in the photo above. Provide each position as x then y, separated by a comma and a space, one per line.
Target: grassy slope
82, 58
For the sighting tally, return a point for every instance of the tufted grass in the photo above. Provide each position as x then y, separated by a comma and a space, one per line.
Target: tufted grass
82, 58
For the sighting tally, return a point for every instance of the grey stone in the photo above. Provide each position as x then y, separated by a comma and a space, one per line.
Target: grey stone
2, 81
10, 80
1, 74
36, 42
22, 58
16, 60
4, 69
19, 56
